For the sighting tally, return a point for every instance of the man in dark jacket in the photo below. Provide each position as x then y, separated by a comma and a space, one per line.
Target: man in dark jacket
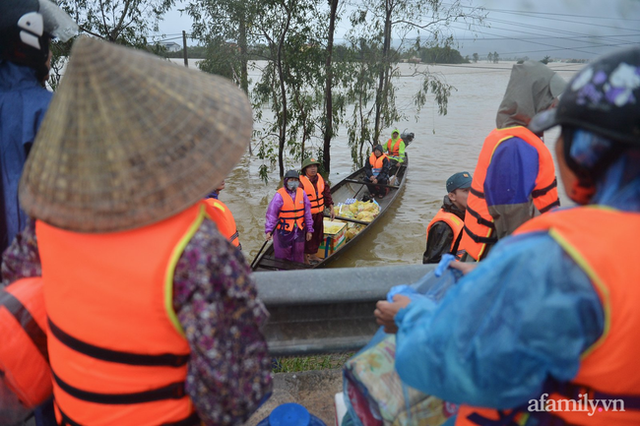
445, 229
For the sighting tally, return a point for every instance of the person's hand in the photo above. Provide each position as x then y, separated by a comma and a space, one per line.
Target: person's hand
464, 267
309, 236
386, 312
332, 213
374, 180
267, 236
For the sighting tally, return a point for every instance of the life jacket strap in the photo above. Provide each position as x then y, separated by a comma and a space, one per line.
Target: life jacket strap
477, 193
478, 239
540, 192
168, 360
171, 391
26, 321
545, 209
480, 219
192, 420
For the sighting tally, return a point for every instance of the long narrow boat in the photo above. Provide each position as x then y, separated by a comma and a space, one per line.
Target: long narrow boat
348, 189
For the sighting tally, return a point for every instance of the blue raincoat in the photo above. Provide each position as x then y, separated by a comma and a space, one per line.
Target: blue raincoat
23, 103
524, 315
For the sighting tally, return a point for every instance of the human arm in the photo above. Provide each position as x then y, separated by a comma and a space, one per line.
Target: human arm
273, 214
328, 200
383, 176
308, 219
216, 302
511, 177
439, 242
524, 314
22, 259
401, 149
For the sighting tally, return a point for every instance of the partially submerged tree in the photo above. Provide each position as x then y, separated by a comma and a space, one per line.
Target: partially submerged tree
375, 23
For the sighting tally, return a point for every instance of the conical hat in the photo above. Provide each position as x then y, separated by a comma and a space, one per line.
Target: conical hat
130, 139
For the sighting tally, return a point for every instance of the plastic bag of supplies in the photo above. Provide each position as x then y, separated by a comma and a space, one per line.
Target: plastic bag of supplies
374, 393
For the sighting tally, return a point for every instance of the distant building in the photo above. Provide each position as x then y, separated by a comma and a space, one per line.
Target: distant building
171, 46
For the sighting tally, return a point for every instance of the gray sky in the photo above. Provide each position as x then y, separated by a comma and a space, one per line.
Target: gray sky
517, 28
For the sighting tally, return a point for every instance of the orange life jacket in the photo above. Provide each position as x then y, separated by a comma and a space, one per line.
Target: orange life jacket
118, 352
316, 196
24, 360
376, 163
608, 370
394, 149
455, 223
221, 215
291, 214
479, 228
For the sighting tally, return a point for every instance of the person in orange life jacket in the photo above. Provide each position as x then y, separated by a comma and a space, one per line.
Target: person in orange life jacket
514, 179
222, 216
445, 229
165, 321
319, 194
377, 172
551, 314
25, 381
288, 220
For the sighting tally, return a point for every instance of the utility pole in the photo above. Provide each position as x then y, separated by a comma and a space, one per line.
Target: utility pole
184, 48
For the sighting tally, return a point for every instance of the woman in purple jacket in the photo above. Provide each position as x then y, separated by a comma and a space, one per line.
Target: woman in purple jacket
288, 215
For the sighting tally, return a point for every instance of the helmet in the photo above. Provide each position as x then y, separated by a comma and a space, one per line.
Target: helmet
604, 98
291, 174
26, 26
308, 162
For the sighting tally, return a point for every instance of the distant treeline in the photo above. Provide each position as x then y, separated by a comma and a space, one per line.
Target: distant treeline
440, 55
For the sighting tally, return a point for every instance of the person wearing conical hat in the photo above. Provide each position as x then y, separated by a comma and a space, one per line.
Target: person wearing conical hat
288, 219
153, 314
320, 197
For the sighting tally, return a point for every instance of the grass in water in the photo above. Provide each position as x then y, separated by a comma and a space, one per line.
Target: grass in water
316, 362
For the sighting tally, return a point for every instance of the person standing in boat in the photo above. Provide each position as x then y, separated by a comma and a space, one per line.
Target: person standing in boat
319, 195
289, 220
222, 216
377, 172
445, 229
515, 177
550, 318
153, 316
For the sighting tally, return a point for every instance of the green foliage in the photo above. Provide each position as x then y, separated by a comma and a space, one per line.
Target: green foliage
441, 55
317, 362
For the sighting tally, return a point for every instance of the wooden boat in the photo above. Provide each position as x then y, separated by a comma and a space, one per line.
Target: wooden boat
352, 187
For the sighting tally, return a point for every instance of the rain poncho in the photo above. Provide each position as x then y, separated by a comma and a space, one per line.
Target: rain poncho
392, 141
288, 245
513, 171
23, 103
524, 315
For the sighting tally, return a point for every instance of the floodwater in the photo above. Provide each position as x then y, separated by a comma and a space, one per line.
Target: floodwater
443, 145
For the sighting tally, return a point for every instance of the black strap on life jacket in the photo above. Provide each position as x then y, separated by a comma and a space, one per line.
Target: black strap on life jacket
26, 321
478, 239
167, 360
576, 391
555, 203
540, 192
171, 391
477, 193
480, 219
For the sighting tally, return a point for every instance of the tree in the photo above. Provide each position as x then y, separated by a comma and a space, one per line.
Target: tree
496, 57
475, 57
372, 89
546, 60
126, 22
490, 57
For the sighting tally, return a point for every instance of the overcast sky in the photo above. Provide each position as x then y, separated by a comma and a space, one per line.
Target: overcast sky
517, 28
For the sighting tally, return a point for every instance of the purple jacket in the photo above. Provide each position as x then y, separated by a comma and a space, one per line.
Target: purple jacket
273, 212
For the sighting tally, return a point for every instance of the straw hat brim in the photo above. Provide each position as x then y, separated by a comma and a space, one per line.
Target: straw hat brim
130, 139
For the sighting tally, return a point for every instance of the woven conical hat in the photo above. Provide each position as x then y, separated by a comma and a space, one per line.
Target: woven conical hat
130, 139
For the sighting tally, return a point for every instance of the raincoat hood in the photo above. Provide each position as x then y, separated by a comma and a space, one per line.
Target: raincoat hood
532, 88
397, 137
